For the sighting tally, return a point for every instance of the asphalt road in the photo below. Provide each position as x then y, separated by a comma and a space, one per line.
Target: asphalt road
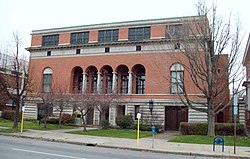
19, 148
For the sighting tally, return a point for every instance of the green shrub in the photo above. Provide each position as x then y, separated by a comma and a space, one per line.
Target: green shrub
220, 129
68, 119
105, 124
125, 121
53, 120
9, 115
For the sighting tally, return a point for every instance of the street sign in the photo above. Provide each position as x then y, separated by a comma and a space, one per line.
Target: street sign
23, 108
235, 110
138, 116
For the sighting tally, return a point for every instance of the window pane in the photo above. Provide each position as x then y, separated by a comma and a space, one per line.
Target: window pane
139, 33
79, 38
108, 36
50, 40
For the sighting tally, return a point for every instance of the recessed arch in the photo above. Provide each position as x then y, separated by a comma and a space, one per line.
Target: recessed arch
139, 76
91, 75
176, 67
123, 78
107, 79
177, 78
77, 80
47, 79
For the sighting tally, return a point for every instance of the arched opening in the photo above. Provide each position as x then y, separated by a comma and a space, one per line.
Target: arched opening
123, 78
107, 78
91, 73
47, 79
77, 79
139, 79
177, 78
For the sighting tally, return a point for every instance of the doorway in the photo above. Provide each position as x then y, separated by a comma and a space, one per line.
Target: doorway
173, 117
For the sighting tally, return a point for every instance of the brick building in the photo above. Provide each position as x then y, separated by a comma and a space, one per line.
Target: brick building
8, 76
246, 63
135, 58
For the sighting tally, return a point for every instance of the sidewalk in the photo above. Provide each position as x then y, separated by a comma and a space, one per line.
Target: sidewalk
145, 144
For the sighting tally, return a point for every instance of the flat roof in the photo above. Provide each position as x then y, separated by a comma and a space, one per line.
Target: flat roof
113, 25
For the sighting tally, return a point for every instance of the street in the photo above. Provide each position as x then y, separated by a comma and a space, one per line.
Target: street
13, 148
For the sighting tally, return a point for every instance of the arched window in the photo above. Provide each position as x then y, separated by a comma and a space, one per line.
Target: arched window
177, 78
47, 79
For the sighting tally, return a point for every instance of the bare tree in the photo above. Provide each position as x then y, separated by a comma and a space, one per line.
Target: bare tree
45, 108
83, 103
104, 101
210, 69
14, 87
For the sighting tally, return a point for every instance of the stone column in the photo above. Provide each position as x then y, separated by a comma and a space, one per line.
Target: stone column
99, 78
114, 83
84, 82
130, 79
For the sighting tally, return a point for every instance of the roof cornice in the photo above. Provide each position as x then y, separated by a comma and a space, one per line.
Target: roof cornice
113, 25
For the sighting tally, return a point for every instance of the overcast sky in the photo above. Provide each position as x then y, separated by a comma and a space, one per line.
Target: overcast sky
27, 15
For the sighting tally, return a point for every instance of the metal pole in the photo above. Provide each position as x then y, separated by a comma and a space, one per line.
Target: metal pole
235, 118
138, 133
153, 140
22, 121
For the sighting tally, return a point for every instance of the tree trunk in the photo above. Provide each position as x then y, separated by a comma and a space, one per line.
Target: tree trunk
15, 124
211, 123
84, 124
100, 118
60, 119
45, 119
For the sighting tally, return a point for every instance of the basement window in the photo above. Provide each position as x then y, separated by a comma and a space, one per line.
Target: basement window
138, 48
107, 49
78, 51
48, 53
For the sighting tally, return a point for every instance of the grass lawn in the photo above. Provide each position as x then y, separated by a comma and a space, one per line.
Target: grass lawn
33, 125
196, 139
117, 133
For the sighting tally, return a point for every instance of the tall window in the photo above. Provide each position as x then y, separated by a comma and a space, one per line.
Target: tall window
94, 84
79, 38
176, 31
139, 33
140, 84
109, 84
47, 79
124, 86
108, 36
177, 78
50, 40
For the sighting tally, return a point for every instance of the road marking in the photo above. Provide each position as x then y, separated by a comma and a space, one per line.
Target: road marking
45, 153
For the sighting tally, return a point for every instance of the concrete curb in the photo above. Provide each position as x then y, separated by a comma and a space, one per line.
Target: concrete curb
123, 148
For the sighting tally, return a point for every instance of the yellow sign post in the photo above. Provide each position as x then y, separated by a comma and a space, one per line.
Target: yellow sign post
23, 108
138, 128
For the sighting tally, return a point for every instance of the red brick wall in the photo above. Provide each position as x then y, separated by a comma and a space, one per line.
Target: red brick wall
36, 40
158, 31
93, 36
64, 38
155, 66
123, 34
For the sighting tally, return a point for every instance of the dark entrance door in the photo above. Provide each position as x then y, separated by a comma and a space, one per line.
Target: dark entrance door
173, 117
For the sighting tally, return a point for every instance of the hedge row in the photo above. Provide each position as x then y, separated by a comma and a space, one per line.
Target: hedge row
220, 129
67, 119
9, 115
